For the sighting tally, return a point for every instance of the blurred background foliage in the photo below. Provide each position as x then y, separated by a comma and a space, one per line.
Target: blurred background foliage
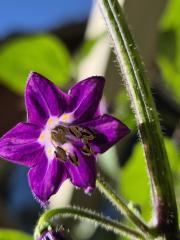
169, 48
15, 235
57, 52
43, 53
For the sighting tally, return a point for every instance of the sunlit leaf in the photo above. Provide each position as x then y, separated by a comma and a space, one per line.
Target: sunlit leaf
8, 234
171, 15
44, 54
174, 157
134, 180
123, 110
169, 48
109, 167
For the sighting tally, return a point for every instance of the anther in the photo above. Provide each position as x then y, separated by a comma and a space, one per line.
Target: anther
86, 149
76, 131
85, 140
61, 154
58, 134
87, 134
74, 159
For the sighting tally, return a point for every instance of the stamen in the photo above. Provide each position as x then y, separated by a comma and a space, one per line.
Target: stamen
61, 154
76, 131
86, 149
74, 159
87, 134
58, 127
85, 140
58, 134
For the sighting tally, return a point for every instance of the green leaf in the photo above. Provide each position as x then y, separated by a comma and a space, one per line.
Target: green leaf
109, 167
134, 180
123, 110
171, 15
44, 54
169, 48
174, 157
9, 234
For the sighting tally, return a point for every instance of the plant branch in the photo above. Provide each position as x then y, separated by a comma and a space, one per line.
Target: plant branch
164, 202
84, 214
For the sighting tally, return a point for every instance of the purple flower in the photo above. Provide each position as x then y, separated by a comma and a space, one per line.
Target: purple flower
49, 235
62, 136
53, 235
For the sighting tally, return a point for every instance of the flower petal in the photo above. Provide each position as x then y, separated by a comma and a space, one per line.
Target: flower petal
43, 99
108, 130
83, 175
46, 177
19, 145
86, 96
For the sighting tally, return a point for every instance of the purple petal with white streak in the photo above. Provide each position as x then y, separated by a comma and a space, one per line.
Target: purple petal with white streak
46, 178
19, 145
83, 175
43, 99
85, 98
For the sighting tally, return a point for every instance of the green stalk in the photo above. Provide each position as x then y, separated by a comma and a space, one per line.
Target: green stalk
84, 214
164, 202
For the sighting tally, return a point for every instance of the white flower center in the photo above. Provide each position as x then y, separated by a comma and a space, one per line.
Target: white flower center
66, 118
57, 137
45, 137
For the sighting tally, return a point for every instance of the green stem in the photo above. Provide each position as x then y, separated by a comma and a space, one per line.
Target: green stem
164, 201
121, 205
84, 214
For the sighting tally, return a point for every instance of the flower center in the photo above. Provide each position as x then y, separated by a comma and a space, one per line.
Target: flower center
61, 135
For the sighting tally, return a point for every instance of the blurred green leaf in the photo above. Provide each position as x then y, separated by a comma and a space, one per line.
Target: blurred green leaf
174, 157
171, 15
169, 47
7, 234
123, 110
44, 54
134, 180
109, 167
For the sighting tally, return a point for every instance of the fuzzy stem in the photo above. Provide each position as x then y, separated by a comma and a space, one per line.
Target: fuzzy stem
84, 214
118, 202
136, 81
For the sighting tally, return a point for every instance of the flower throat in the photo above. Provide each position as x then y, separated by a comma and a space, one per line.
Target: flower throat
62, 134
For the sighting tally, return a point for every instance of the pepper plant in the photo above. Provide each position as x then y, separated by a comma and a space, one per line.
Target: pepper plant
65, 132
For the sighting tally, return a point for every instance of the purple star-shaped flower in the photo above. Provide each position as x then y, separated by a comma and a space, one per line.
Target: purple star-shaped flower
53, 235
62, 136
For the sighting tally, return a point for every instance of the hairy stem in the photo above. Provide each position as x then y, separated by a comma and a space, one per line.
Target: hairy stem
164, 202
84, 214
